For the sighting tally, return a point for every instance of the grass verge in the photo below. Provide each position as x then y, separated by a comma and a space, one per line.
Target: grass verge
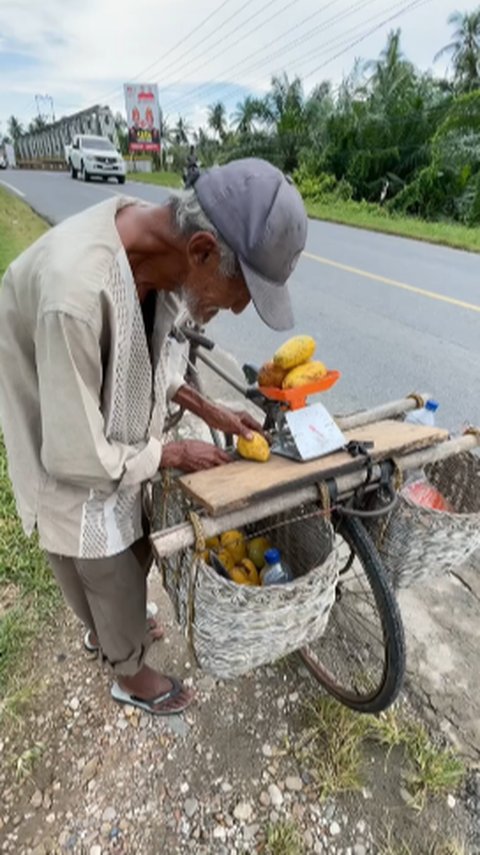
362, 215
333, 750
164, 179
27, 591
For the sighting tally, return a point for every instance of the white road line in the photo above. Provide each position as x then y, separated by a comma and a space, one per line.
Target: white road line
15, 189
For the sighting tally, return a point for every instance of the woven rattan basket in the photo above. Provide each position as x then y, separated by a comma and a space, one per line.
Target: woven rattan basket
234, 628
417, 543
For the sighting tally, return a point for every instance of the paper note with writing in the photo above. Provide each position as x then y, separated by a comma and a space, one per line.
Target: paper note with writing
314, 432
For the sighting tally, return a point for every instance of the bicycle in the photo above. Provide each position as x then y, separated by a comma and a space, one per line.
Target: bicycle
360, 659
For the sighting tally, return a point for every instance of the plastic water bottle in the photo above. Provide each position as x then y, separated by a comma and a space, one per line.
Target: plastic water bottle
275, 572
424, 415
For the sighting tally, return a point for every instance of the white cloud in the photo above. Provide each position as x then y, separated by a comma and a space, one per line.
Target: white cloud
80, 53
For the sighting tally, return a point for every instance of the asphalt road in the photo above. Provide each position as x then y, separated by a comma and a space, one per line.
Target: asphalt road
393, 315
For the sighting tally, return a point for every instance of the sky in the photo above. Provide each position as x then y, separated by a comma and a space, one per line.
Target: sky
80, 53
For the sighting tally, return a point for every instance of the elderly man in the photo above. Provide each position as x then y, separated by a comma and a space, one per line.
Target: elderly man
85, 317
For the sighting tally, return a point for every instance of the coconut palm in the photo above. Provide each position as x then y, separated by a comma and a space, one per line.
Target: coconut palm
15, 128
217, 119
246, 112
182, 131
465, 49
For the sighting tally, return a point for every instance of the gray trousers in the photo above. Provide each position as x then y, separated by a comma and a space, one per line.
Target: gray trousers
109, 595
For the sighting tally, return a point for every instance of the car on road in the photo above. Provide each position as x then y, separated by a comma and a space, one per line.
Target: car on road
3, 161
94, 157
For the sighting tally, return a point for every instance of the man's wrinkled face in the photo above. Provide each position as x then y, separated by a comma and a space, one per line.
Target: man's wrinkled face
206, 289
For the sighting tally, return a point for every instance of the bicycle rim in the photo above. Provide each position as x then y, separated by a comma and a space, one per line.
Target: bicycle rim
360, 659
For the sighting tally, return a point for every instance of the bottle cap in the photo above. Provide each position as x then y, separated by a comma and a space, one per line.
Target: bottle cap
272, 556
432, 406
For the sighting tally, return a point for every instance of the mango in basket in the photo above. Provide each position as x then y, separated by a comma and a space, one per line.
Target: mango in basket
213, 543
226, 559
295, 351
256, 448
251, 571
271, 375
234, 543
256, 549
205, 556
304, 374
240, 576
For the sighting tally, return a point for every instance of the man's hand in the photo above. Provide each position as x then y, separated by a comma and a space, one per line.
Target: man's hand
240, 424
192, 455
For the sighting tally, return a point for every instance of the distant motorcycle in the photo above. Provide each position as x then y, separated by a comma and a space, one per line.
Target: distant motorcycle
190, 174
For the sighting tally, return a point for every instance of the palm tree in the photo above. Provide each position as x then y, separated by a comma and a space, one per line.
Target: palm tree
464, 49
391, 70
181, 131
217, 119
245, 114
39, 123
15, 128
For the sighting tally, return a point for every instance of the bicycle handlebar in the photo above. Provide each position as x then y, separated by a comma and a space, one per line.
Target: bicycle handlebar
197, 338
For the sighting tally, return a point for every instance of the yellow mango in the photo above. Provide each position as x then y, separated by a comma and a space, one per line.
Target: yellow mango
251, 571
205, 556
225, 558
295, 351
304, 374
234, 543
256, 549
239, 575
271, 375
213, 543
256, 448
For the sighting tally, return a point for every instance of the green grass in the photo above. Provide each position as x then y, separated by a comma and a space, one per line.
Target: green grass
283, 838
164, 179
19, 227
362, 215
333, 749
368, 216
27, 591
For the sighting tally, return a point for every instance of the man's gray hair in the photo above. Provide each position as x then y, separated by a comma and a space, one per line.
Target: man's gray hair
189, 218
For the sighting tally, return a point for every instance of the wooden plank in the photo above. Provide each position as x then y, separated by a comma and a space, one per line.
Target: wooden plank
235, 485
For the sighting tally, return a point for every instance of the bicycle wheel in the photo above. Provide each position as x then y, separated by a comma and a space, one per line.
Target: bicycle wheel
361, 658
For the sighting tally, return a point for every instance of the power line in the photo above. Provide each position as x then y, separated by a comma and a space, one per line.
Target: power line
330, 44
178, 44
413, 5
254, 29
299, 40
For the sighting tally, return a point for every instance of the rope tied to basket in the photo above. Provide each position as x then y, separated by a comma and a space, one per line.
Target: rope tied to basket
200, 545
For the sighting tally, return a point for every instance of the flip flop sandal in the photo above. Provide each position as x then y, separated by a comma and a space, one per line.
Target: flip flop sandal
152, 610
122, 697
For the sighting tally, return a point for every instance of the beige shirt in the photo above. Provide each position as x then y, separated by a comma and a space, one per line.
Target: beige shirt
81, 407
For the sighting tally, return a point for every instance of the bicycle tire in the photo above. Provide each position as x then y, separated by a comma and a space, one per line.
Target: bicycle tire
377, 699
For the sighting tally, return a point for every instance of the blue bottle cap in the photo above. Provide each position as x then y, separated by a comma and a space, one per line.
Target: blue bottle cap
432, 406
272, 556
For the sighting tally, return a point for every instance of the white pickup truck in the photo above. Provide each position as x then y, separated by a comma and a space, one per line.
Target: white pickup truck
90, 157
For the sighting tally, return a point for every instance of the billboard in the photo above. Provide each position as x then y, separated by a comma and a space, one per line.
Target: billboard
143, 116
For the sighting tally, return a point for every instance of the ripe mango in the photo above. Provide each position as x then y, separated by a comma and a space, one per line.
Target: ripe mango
213, 543
234, 543
226, 559
295, 351
256, 448
304, 374
251, 571
239, 575
271, 375
256, 549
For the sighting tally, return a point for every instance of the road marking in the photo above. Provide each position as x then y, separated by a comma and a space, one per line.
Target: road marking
394, 283
15, 189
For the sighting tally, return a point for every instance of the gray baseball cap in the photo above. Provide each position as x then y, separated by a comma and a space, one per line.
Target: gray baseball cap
261, 216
